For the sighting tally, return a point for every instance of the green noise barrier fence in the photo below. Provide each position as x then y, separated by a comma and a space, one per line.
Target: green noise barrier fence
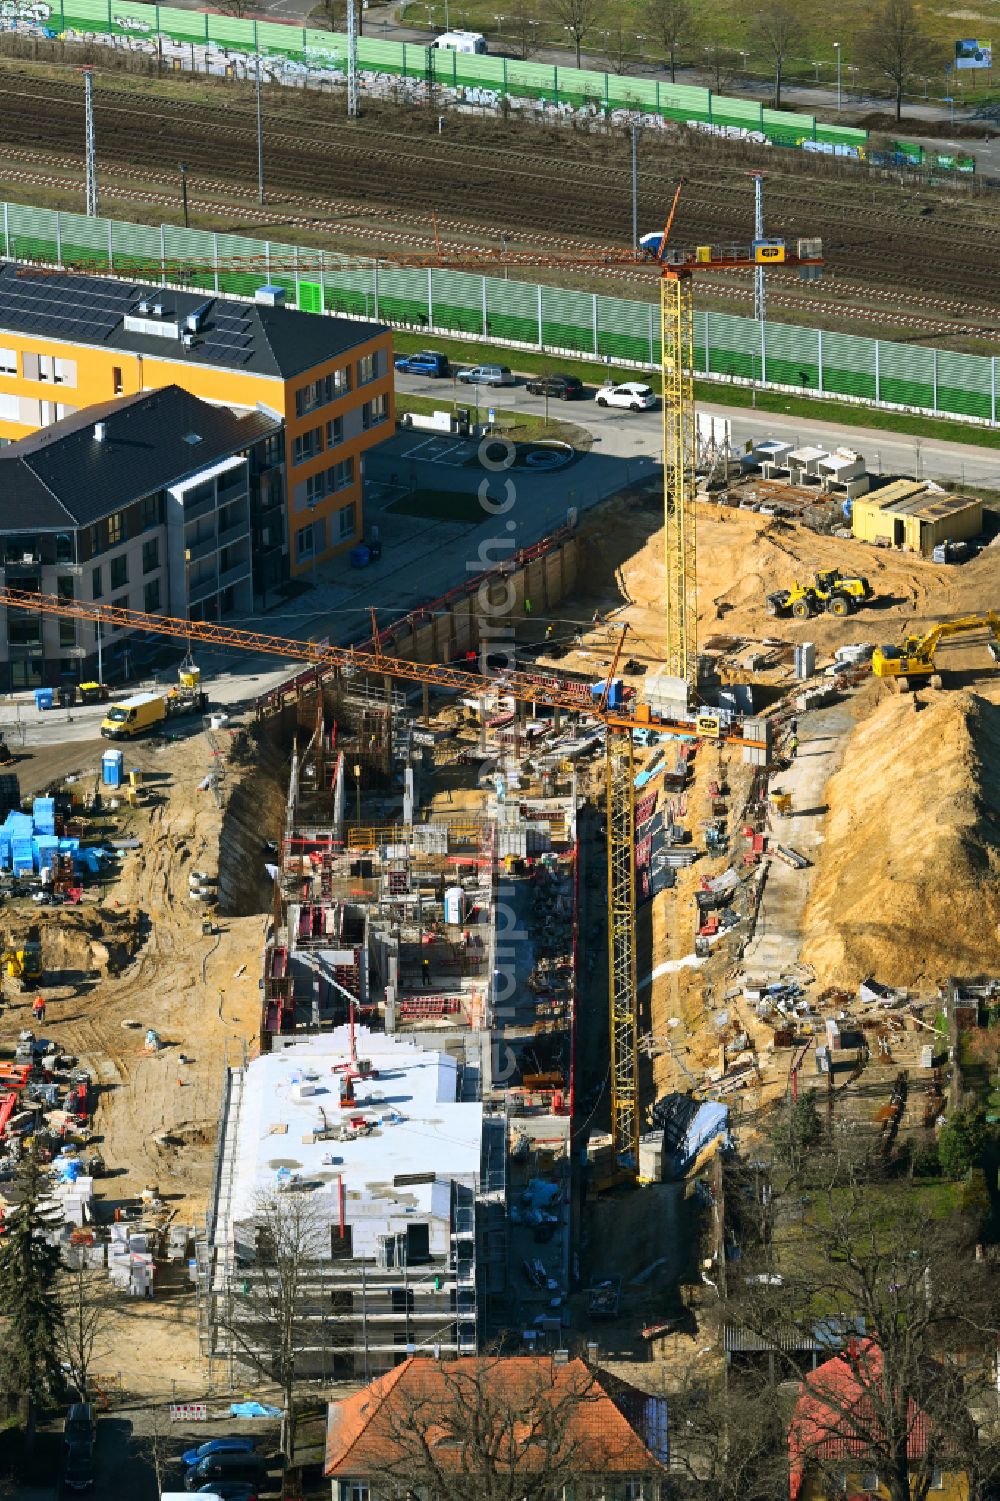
222, 44
616, 330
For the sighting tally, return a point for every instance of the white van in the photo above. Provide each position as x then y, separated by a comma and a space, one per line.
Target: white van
461, 41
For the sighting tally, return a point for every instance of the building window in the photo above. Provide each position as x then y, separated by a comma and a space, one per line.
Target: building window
56, 371
343, 474
152, 510
151, 596
307, 445
119, 572
366, 368
116, 528
375, 411
121, 603
354, 1490
95, 540
150, 555
96, 584
334, 432
304, 543
342, 381
402, 1300
937, 1480
345, 522
270, 451
869, 1480
317, 487
116, 379
8, 362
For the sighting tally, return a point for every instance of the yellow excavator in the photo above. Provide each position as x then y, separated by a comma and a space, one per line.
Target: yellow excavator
22, 960
912, 663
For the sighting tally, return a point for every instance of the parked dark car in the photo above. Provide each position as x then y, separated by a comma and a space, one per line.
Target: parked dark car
236, 1445
564, 387
248, 1468
78, 1429
78, 1473
426, 362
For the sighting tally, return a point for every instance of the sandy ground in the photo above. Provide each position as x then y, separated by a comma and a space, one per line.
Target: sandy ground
898, 830
134, 957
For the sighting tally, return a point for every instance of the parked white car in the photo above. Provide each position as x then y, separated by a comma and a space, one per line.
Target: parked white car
631, 393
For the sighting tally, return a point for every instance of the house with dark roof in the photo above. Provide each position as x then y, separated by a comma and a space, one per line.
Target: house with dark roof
523, 1425
150, 502
847, 1423
71, 342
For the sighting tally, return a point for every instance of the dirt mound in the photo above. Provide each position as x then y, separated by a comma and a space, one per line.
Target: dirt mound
908, 886
81, 944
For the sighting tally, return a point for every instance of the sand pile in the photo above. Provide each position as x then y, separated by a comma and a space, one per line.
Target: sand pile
908, 884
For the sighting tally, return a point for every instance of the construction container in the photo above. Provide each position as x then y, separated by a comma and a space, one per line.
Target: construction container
910, 515
44, 698
454, 905
113, 768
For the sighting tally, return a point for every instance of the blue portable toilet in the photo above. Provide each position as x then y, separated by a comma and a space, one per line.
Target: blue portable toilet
44, 698
361, 556
113, 768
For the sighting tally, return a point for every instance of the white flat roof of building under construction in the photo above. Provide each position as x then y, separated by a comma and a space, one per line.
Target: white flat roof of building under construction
419, 1125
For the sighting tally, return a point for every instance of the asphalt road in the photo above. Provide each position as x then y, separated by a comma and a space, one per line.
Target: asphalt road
629, 434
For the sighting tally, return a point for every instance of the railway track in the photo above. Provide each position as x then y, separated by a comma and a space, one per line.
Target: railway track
386, 185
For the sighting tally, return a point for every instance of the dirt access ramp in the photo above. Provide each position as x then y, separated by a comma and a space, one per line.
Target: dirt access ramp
908, 884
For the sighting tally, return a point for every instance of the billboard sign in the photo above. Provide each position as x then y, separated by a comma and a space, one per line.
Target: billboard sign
973, 54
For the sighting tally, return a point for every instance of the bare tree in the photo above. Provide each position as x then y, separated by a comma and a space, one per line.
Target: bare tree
866, 1248
621, 41
672, 22
480, 1428
720, 61
85, 1312
269, 1318
237, 8
335, 14
522, 28
727, 1440
578, 17
895, 44
775, 30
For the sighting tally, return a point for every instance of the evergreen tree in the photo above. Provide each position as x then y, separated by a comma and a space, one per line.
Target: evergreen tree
29, 1295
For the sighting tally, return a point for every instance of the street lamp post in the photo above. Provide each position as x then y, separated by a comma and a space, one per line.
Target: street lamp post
839, 96
184, 194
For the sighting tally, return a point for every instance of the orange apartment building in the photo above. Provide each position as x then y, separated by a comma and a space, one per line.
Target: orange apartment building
68, 342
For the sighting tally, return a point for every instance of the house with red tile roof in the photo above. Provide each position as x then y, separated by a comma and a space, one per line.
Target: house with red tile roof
505, 1428
849, 1431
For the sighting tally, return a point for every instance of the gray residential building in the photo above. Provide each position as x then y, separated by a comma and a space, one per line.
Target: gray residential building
150, 502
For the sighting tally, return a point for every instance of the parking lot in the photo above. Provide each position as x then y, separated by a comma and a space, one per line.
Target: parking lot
131, 1446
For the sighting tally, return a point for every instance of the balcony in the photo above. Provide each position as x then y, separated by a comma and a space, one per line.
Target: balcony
203, 589
234, 575
203, 548
235, 532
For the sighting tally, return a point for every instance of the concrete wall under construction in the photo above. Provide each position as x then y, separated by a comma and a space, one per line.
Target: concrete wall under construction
479, 619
